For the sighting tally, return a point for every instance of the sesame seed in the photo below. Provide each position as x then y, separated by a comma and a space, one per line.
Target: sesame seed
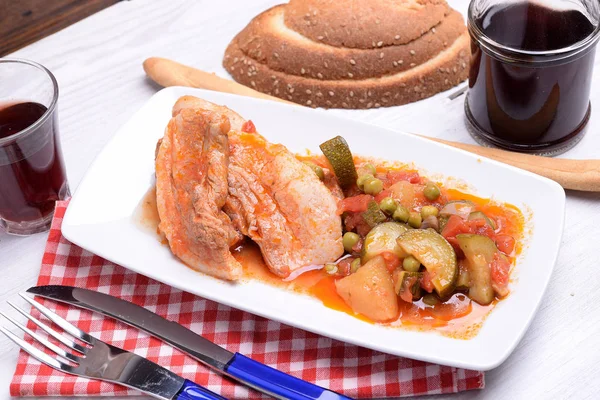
454, 70
308, 23
319, 94
350, 75
275, 55
308, 102
374, 44
412, 64
397, 37
302, 71
328, 103
412, 53
331, 93
417, 89
253, 83
381, 55
232, 68
345, 105
307, 15
276, 91
242, 71
258, 53
446, 81
249, 73
319, 75
351, 93
402, 84
320, 37
432, 30
245, 61
464, 65
395, 63
289, 97
308, 91
276, 83
379, 44
273, 77
325, 64
361, 100
377, 21
315, 12
445, 44
377, 105
289, 86
400, 62
352, 62
291, 90
369, 104
236, 60
369, 93
384, 100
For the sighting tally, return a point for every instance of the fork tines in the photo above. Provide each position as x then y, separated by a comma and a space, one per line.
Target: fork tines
59, 321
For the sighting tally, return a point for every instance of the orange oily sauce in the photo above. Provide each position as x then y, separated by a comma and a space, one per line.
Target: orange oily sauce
459, 317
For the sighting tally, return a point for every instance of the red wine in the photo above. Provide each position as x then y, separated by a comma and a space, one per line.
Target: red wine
32, 173
531, 105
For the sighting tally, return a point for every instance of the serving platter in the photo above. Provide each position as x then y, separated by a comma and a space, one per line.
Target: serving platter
101, 218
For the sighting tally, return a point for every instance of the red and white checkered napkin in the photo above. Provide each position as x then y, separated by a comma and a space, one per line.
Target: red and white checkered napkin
354, 371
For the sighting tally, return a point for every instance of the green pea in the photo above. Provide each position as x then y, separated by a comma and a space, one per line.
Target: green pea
430, 299
355, 265
415, 219
388, 205
401, 214
331, 268
349, 240
373, 186
360, 182
411, 264
316, 169
427, 211
370, 168
431, 191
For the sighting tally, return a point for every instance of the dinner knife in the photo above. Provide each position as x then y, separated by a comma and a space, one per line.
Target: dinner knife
235, 365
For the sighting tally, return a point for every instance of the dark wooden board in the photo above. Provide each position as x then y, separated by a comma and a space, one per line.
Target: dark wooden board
25, 21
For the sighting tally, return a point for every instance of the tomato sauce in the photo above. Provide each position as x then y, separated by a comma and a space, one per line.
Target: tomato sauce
458, 317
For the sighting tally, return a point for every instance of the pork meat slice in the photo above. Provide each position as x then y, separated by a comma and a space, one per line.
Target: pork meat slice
191, 190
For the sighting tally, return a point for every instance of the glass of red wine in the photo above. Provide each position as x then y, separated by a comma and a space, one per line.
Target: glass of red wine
32, 170
531, 72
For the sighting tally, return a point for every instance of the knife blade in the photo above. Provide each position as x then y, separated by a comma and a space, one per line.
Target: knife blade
235, 365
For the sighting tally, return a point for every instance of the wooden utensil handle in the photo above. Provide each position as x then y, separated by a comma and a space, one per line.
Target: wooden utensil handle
571, 174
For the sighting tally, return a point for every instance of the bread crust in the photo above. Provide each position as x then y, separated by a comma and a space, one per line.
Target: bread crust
272, 58
267, 40
364, 24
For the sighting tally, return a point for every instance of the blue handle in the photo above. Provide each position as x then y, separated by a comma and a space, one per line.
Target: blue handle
192, 391
277, 383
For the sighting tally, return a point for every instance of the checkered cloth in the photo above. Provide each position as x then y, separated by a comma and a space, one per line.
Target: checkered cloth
354, 371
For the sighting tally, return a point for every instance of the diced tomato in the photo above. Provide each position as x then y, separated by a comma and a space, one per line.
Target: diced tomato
358, 203
505, 243
382, 195
248, 127
396, 176
391, 260
344, 266
500, 268
426, 282
455, 226
355, 222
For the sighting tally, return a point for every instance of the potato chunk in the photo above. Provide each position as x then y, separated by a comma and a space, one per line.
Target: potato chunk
370, 291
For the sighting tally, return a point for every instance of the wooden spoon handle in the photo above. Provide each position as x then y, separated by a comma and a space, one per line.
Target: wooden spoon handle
570, 174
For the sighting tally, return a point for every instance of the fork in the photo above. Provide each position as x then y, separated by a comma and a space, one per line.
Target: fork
100, 360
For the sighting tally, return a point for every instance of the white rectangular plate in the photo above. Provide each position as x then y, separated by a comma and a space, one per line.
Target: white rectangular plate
100, 219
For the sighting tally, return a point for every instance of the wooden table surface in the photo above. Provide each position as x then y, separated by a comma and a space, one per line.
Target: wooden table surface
98, 66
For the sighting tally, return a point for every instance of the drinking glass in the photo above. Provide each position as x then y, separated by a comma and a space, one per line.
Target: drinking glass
32, 170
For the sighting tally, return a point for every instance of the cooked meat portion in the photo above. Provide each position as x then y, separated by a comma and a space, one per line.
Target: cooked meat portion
276, 200
282, 205
191, 189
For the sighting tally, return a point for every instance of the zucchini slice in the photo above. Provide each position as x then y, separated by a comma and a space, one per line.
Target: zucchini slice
373, 216
436, 254
382, 238
340, 157
479, 251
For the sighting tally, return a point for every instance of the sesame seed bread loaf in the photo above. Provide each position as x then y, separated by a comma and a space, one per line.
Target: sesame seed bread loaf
345, 54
